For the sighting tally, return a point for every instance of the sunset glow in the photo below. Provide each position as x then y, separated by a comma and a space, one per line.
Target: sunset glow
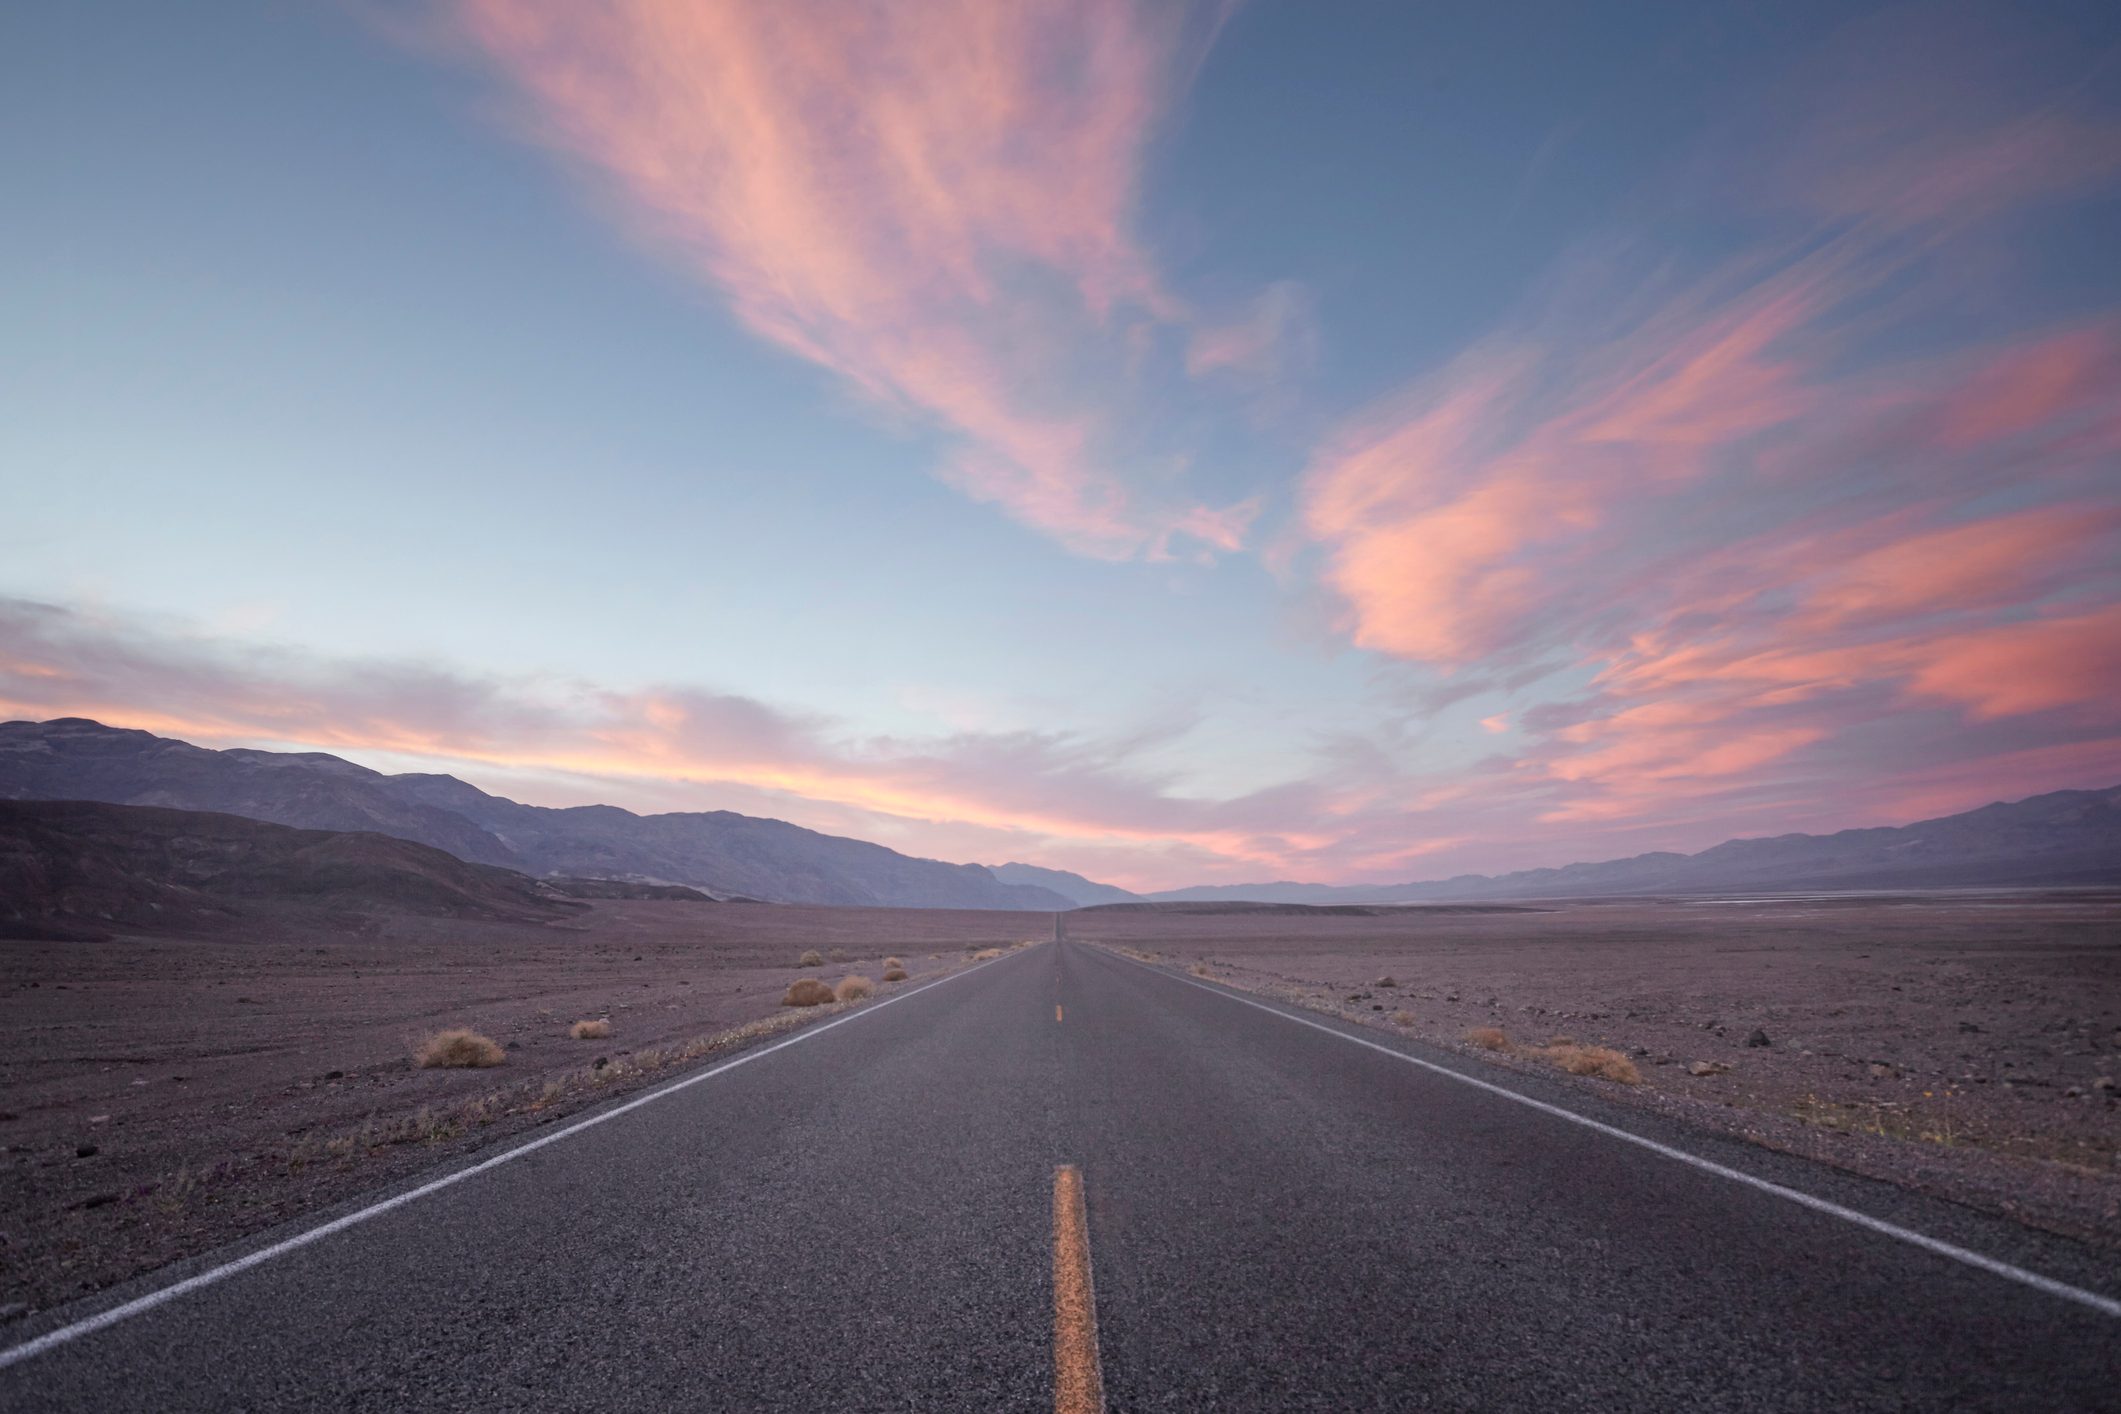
1029, 432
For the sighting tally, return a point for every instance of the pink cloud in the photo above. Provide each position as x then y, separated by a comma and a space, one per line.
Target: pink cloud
2015, 668
1757, 527
933, 201
1999, 560
666, 748
1678, 768
1276, 334
2042, 384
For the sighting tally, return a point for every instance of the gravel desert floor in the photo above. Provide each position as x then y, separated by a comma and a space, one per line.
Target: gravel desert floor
1965, 1044
159, 1096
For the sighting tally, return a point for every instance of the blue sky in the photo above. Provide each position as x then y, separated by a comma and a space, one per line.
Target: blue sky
448, 348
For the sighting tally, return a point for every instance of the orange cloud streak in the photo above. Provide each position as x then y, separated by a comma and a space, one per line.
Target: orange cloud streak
1719, 498
931, 200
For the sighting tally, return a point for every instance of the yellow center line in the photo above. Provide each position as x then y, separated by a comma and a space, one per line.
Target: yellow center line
1078, 1382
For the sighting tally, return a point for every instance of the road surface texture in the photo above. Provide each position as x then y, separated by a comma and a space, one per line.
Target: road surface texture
1269, 1211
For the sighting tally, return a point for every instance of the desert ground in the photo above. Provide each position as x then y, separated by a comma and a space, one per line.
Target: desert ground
1965, 1044
161, 1095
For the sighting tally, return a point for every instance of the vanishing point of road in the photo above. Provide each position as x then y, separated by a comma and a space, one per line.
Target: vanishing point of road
1063, 1180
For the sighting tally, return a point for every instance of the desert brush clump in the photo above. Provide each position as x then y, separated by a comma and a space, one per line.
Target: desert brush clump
1489, 1038
986, 954
891, 962
1601, 1061
852, 989
810, 959
807, 991
458, 1047
594, 1029
894, 974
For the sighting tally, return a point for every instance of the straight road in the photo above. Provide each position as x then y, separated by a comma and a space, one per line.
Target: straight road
1238, 1207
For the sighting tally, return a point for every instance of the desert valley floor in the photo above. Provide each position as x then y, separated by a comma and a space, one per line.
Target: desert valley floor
159, 1095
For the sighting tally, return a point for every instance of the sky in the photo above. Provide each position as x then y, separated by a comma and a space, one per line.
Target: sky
1181, 443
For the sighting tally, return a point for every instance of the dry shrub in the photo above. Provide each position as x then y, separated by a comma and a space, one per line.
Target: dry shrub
837, 954
1402, 1018
852, 989
1601, 1061
891, 962
810, 959
595, 1030
806, 992
986, 954
1488, 1038
459, 1047
894, 974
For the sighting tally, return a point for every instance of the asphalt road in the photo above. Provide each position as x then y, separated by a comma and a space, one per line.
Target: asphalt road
1277, 1218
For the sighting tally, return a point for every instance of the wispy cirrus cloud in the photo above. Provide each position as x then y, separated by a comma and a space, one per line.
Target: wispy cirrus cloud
1076, 800
665, 747
1744, 504
933, 201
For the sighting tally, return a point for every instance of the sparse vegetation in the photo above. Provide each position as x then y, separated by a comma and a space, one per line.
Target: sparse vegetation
1601, 1061
810, 959
986, 954
852, 989
894, 974
1905, 1120
459, 1047
838, 954
185, 1189
1564, 1053
807, 991
891, 962
595, 1029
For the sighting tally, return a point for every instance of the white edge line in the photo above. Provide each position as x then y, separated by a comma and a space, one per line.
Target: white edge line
139, 1305
2104, 1305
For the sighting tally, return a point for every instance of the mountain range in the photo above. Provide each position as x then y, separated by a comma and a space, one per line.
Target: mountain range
76, 868
2062, 837
1072, 887
723, 853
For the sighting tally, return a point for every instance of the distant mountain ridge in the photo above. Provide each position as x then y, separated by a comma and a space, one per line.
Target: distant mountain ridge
1073, 887
2062, 837
78, 868
73, 758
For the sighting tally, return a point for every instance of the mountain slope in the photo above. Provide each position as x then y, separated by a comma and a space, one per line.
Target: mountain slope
2063, 837
73, 867
1073, 887
76, 759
